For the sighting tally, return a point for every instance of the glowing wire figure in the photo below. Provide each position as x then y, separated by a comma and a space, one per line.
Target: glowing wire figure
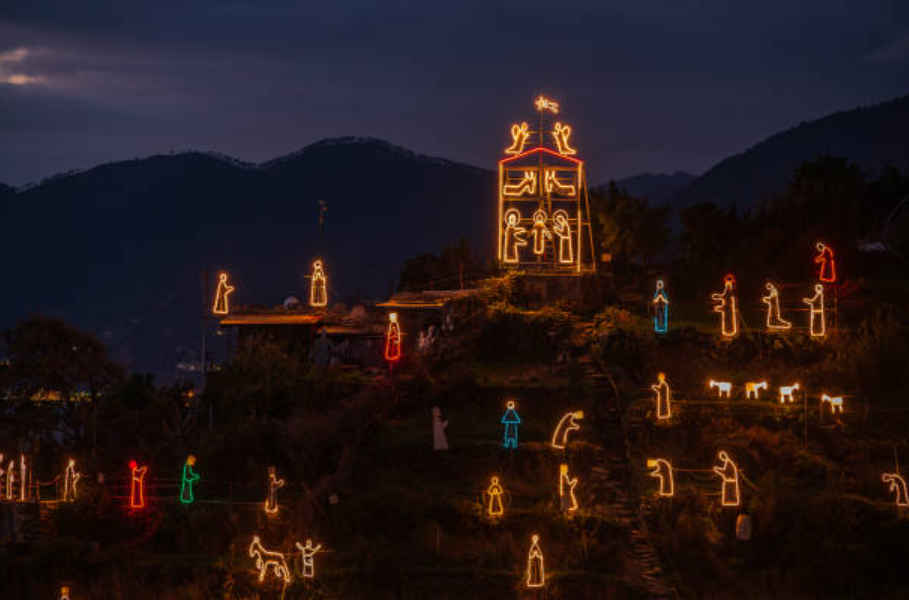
730, 474
561, 135
724, 388
23, 479
514, 236
818, 324
308, 552
553, 184
541, 232
274, 484
137, 485
772, 300
543, 103
70, 479
511, 420
661, 308
266, 558
495, 506
2, 472
753, 389
10, 479
827, 272
663, 398
318, 286
190, 477
566, 489
835, 402
567, 424
726, 306
393, 339
562, 228
662, 470
222, 306
897, 485
787, 393
519, 137
526, 186
64, 592
535, 576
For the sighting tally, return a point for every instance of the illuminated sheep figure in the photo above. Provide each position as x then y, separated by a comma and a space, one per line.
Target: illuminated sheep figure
724, 388
753, 389
787, 393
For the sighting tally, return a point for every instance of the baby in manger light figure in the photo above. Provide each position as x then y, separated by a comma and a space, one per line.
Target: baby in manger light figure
541, 232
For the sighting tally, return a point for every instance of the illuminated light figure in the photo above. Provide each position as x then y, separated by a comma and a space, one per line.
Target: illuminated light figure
393, 339
527, 186
222, 307
566, 489
753, 389
23, 479
562, 228
541, 232
554, 185
818, 324
511, 420
318, 286
266, 558
662, 470
2, 471
661, 308
663, 397
567, 424
514, 236
519, 137
723, 388
190, 477
535, 575
786, 393
309, 563
137, 485
725, 305
543, 103
827, 272
730, 474
495, 508
897, 485
772, 300
64, 592
10, 479
70, 479
561, 135
274, 484
835, 402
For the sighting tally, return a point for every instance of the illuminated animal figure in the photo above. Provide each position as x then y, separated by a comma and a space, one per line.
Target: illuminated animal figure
725, 305
827, 272
566, 489
393, 339
511, 420
527, 185
662, 470
535, 576
495, 507
567, 424
897, 485
514, 236
753, 389
554, 185
222, 306
772, 300
561, 134
274, 484
836, 403
562, 228
265, 559
541, 232
519, 137
318, 292
724, 388
730, 474
818, 325
308, 552
661, 308
663, 397
786, 393
70, 479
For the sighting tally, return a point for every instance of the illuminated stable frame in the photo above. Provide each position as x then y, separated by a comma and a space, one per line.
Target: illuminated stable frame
544, 212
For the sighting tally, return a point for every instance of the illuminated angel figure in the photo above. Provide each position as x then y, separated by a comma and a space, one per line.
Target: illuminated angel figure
567, 424
897, 485
511, 420
562, 228
827, 272
535, 575
541, 232
393, 339
566, 489
661, 308
224, 290
725, 305
527, 185
70, 479
137, 485
663, 397
309, 563
730, 474
495, 506
662, 470
318, 294
519, 137
561, 135
817, 324
190, 477
514, 236
772, 300
274, 484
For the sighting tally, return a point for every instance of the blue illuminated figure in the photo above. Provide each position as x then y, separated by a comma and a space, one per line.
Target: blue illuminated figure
511, 420
661, 308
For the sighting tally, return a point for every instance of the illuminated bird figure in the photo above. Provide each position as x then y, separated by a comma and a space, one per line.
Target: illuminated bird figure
663, 397
393, 339
772, 300
541, 232
514, 236
817, 324
318, 294
730, 474
660, 308
566, 489
511, 420
662, 470
725, 304
222, 306
495, 507
567, 424
70, 479
562, 228
535, 576
274, 484
898, 486
137, 485
190, 477
827, 271
519, 137
308, 552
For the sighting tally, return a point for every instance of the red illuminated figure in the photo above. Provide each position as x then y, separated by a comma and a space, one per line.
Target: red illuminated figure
137, 486
827, 272
393, 339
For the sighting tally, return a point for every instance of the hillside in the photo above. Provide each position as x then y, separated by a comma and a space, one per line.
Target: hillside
658, 188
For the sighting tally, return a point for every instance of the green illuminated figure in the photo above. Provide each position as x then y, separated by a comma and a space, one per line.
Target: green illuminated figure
189, 478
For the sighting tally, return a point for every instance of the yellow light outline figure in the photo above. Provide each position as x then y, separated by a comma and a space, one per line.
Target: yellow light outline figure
23, 479
566, 425
222, 306
561, 135
753, 389
567, 501
70, 479
318, 286
722, 387
526, 186
535, 575
540, 231
10, 479
543, 103
898, 485
562, 229
2, 472
268, 558
513, 237
274, 484
663, 398
495, 507
724, 297
64, 592
552, 184
835, 402
730, 490
662, 470
519, 137
816, 308
772, 300
787, 391
309, 563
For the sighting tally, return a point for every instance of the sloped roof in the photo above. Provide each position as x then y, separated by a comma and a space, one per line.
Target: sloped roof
539, 149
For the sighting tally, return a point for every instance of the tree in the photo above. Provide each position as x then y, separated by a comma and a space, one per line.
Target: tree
454, 268
628, 226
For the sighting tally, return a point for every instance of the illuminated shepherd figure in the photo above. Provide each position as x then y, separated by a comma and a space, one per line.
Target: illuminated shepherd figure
190, 477
393, 339
137, 485
661, 308
541, 232
772, 300
662, 470
318, 293
730, 474
309, 563
567, 424
725, 304
70, 479
562, 228
897, 485
514, 236
535, 575
663, 397
511, 420
495, 507
222, 306
566, 489
817, 324
827, 272
274, 484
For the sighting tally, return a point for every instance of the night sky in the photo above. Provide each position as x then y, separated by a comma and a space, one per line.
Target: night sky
649, 85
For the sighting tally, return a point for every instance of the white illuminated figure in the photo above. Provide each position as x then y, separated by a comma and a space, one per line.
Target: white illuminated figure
514, 236
439, 441
541, 232
222, 306
818, 325
772, 300
70, 479
308, 552
562, 229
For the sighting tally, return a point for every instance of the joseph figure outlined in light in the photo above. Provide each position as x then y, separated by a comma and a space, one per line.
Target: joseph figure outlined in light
190, 477
511, 420
827, 270
274, 484
562, 229
514, 236
730, 474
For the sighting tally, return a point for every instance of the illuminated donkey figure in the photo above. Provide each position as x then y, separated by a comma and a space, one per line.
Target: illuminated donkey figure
836, 403
265, 558
753, 389
786, 393
723, 388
